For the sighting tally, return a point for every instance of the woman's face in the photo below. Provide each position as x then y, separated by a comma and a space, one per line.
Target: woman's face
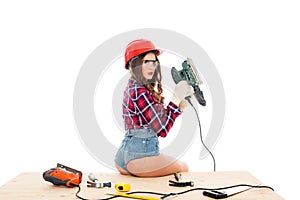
149, 65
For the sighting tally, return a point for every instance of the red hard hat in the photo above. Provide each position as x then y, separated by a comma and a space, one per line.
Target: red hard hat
138, 47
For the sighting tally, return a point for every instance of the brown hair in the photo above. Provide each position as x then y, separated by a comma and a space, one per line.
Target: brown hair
135, 66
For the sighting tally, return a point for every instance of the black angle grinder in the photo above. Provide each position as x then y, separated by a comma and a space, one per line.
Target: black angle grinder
189, 74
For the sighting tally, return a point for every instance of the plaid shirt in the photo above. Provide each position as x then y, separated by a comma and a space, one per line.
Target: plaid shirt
141, 110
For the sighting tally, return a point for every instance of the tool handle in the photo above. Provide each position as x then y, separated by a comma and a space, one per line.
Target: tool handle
93, 178
199, 96
55, 181
215, 194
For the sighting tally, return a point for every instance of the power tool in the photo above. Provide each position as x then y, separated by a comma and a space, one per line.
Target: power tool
190, 74
63, 175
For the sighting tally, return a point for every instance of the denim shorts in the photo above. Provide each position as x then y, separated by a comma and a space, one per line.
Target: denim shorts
137, 143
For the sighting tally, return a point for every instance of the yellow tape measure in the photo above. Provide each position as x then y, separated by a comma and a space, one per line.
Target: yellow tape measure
133, 196
122, 187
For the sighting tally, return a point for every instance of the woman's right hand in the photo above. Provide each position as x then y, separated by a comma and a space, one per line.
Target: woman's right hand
182, 90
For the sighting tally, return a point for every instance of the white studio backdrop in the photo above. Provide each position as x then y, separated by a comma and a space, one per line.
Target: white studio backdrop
254, 45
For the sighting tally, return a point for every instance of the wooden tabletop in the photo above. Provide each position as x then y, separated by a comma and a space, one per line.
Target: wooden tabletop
31, 185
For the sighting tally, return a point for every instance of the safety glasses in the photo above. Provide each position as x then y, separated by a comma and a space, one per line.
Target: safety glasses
150, 62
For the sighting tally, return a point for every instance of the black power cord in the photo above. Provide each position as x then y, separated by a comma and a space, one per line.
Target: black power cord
79, 197
201, 137
136, 192
228, 187
163, 195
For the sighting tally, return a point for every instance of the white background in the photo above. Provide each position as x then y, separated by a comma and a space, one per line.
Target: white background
255, 46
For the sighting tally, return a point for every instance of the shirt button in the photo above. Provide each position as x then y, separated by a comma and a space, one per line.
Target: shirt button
144, 141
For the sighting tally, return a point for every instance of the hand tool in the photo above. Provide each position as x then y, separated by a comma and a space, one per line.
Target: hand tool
179, 182
190, 74
177, 176
133, 196
96, 183
122, 187
63, 175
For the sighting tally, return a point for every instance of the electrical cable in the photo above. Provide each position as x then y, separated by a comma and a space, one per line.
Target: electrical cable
79, 197
79, 189
194, 189
135, 192
228, 187
178, 193
201, 137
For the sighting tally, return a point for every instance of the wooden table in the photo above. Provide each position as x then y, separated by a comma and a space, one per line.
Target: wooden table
31, 185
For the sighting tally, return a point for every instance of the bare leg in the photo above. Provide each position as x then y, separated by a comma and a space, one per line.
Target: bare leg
121, 170
154, 166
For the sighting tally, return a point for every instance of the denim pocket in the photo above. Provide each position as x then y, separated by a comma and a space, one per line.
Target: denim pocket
152, 145
137, 145
142, 145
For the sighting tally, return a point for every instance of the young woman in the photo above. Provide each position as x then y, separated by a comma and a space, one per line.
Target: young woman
145, 118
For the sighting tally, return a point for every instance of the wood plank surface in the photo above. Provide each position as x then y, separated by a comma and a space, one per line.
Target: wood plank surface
31, 185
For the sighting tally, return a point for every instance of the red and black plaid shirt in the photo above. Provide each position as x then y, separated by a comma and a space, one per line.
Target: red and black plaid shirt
141, 110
